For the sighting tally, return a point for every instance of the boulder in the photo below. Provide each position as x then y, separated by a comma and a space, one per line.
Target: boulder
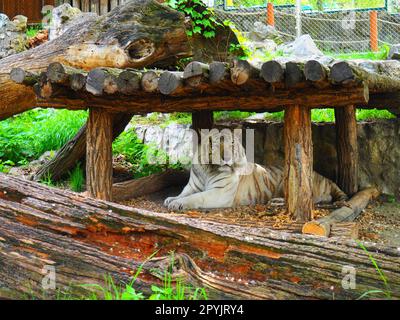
13, 37
394, 53
3, 20
302, 47
262, 32
63, 17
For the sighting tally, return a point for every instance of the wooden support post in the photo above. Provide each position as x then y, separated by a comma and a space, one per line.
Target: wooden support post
373, 27
270, 14
298, 162
347, 149
99, 154
202, 120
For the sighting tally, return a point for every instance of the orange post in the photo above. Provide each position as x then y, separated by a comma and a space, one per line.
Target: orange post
270, 14
373, 30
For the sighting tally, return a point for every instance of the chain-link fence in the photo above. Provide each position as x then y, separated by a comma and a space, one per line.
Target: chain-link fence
333, 31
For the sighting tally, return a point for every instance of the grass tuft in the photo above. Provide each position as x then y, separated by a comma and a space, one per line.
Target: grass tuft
77, 179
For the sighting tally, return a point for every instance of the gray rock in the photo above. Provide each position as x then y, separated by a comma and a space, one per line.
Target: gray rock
261, 32
262, 47
394, 53
13, 37
20, 22
3, 20
63, 17
302, 47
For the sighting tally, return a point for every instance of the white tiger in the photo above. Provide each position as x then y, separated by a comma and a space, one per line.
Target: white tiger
231, 181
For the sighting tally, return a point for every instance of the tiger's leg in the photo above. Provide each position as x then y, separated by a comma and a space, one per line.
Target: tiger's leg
210, 199
220, 195
194, 185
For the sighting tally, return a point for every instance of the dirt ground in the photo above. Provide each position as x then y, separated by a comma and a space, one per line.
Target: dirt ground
380, 221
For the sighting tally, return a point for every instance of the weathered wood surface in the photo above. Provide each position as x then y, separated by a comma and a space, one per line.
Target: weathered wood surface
158, 37
347, 149
99, 169
85, 239
298, 168
347, 213
147, 185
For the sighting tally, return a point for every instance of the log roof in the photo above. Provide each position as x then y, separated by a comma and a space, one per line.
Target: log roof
238, 85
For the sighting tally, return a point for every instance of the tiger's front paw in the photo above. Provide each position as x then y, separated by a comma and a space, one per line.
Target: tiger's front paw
177, 205
169, 200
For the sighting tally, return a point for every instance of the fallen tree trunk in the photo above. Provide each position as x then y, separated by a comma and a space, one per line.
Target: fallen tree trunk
322, 226
147, 185
85, 239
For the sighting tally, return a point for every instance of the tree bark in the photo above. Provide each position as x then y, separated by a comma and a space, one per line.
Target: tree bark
85, 239
148, 185
347, 149
99, 169
298, 162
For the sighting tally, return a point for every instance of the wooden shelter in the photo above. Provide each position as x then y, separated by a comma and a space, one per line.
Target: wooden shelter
296, 87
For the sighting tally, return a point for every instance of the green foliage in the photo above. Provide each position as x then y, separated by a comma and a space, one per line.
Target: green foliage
202, 18
232, 115
33, 30
47, 180
171, 289
146, 159
5, 165
328, 115
77, 179
373, 114
29, 135
382, 54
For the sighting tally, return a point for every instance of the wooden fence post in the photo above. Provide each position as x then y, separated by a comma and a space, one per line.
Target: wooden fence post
270, 15
99, 168
347, 149
298, 169
373, 27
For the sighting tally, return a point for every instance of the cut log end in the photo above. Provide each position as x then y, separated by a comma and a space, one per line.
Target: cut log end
150, 81
315, 71
317, 229
272, 71
169, 82
218, 72
342, 72
56, 73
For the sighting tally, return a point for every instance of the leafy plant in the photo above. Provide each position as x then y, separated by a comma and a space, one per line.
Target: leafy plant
47, 180
169, 290
28, 135
202, 18
5, 166
180, 291
77, 179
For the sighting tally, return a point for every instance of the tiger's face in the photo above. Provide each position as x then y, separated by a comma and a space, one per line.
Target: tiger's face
221, 149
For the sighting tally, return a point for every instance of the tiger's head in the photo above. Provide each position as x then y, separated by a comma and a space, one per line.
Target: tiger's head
220, 150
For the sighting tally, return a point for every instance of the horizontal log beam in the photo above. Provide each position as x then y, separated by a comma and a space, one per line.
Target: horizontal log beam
262, 100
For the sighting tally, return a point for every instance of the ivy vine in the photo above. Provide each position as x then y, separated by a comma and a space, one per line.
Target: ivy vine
202, 18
